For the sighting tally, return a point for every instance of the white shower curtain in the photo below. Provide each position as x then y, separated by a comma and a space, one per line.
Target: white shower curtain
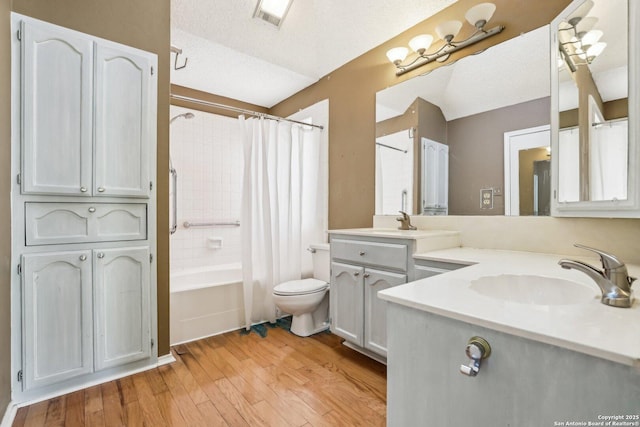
279, 208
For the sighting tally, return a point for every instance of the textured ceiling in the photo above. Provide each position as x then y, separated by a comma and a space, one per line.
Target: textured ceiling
231, 54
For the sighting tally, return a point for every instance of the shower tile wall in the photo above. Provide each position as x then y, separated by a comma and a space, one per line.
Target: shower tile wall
207, 153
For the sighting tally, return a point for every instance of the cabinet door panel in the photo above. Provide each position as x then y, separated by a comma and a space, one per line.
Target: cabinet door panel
122, 295
346, 301
375, 326
57, 317
123, 121
59, 223
57, 113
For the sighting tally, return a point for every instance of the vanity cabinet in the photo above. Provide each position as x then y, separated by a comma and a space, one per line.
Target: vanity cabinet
359, 269
88, 113
522, 383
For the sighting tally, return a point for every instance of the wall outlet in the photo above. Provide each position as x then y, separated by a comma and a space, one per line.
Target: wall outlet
486, 198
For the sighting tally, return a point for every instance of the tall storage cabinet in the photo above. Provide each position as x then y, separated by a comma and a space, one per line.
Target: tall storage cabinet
84, 208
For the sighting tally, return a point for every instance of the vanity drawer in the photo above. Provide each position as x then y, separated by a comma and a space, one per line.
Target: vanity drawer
59, 223
389, 255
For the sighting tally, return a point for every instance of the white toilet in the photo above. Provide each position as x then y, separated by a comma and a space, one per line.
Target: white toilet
308, 299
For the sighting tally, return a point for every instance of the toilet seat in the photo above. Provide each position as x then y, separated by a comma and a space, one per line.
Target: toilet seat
300, 287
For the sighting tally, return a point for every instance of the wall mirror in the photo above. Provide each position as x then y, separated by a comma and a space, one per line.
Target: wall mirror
594, 103
470, 138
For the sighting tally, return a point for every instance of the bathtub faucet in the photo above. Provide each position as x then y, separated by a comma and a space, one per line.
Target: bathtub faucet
613, 280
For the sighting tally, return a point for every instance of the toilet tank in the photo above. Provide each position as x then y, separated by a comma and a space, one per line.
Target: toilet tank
321, 262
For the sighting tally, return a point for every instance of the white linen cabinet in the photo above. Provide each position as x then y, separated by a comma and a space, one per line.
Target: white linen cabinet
86, 122
84, 208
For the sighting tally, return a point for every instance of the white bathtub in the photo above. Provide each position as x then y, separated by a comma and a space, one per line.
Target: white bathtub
205, 301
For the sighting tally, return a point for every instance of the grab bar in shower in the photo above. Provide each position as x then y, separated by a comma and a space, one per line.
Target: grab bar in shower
174, 202
188, 224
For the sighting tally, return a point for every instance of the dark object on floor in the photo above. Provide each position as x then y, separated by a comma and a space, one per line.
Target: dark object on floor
261, 329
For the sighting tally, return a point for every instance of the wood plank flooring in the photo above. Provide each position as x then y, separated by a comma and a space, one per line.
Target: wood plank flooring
234, 380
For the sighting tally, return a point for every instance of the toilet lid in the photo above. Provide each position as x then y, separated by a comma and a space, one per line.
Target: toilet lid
300, 287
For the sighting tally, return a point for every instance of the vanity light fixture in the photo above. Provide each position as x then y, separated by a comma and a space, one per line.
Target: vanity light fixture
477, 16
579, 43
272, 11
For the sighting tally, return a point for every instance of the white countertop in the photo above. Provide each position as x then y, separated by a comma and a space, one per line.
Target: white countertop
395, 233
425, 240
590, 327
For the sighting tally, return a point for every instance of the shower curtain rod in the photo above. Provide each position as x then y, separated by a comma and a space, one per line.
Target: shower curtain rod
239, 110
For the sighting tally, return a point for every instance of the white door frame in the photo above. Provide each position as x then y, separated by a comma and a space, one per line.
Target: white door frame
512, 167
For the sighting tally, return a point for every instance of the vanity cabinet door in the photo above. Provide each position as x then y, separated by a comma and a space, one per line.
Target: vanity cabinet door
58, 339
375, 325
123, 123
347, 302
122, 295
57, 111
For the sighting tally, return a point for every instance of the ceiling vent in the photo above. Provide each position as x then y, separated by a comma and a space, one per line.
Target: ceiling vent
272, 11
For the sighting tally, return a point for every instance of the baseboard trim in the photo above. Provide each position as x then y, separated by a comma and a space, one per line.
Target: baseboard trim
9, 415
166, 359
88, 384
366, 352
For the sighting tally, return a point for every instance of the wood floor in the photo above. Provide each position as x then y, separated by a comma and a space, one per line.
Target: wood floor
234, 380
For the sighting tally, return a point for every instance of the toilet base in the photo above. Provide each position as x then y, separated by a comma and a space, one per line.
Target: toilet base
303, 325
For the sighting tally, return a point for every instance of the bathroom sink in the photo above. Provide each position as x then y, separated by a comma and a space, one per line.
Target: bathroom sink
531, 289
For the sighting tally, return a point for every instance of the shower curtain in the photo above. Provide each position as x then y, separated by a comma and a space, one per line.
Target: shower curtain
279, 208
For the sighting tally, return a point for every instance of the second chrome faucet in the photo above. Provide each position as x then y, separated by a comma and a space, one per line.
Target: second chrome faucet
613, 280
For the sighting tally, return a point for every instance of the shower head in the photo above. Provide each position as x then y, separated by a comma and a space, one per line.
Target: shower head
187, 115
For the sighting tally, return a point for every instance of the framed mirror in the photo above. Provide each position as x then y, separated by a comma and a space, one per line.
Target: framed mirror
594, 109
463, 134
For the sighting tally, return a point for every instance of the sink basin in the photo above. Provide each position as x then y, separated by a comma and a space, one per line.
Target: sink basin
530, 289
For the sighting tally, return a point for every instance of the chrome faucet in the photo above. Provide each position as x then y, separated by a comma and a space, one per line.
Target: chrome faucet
405, 222
613, 280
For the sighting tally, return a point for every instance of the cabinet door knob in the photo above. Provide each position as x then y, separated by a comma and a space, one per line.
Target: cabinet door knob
83, 257
83, 189
92, 209
101, 255
362, 253
356, 274
100, 189
366, 275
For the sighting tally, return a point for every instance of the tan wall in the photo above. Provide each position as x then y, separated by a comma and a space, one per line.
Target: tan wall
351, 91
476, 153
204, 96
5, 205
143, 24
611, 110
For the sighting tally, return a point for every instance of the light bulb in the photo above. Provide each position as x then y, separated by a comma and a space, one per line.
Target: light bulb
397, 54
586, 24
480, 14
596, 49
421, 43
583, 10
448, 30
592, 37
